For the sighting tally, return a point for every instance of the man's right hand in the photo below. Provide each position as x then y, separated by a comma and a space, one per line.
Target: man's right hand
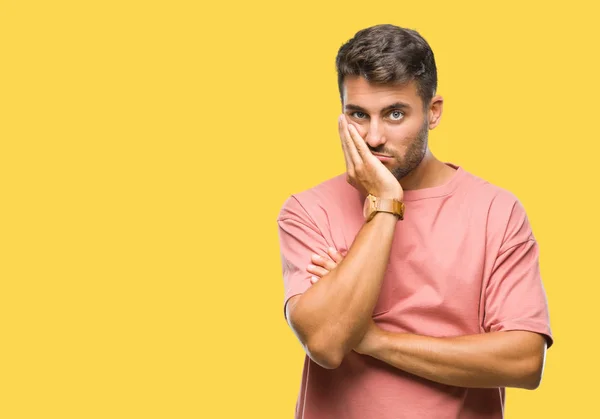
364, 171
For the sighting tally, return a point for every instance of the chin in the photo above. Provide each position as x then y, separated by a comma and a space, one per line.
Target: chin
400, 172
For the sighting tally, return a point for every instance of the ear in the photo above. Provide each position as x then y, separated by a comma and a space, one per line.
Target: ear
435, 111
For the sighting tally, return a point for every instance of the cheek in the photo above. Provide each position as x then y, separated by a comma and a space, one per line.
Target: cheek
391, 132
402, 133
398, 135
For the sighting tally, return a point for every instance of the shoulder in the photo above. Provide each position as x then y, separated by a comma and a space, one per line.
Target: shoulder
322, 198
506, 217
484, 193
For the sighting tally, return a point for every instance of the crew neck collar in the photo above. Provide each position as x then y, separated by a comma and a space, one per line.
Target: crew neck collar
437, 191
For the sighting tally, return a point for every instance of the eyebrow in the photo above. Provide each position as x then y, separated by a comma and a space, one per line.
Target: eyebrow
397, 105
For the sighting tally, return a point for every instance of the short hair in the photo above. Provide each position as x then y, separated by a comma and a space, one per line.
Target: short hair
385, 54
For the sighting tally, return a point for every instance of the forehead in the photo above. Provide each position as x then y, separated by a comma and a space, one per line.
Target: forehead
358, 91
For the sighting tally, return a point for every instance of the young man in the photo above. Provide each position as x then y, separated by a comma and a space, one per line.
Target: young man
413, 285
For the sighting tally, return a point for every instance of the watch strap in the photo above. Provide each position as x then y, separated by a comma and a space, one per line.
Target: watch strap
390, 205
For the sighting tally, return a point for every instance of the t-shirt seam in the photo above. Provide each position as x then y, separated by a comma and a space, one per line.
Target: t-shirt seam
313, 227
453, 188
300, 222
430, 197
521, 320
516, 245
310, 218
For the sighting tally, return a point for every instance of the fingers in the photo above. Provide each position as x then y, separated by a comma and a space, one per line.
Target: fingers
335, 255
324, 262
361, 147
317, 270
349, 166
322, 265
349, 142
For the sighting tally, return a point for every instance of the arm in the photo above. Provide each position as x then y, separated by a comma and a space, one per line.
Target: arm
330, 319
511, 358
332, 316
496, 359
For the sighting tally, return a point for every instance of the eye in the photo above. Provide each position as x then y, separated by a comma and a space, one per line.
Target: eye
358, 115
396, 115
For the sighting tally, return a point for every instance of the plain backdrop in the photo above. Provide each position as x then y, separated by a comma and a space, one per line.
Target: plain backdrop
146, 148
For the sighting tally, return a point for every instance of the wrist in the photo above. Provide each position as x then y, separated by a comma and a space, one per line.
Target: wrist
373, 342
397, 195
378, 343
377, 204
385, 215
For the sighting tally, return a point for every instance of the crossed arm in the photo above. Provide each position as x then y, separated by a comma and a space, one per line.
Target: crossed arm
497, 359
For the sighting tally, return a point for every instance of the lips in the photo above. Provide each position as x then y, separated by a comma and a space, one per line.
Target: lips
383, 158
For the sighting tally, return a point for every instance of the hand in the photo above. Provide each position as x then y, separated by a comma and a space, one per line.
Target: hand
364, 171
323, 264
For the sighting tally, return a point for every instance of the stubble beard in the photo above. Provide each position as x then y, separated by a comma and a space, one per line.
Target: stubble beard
414, 155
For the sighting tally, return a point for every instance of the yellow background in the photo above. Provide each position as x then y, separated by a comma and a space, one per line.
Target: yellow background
147, 147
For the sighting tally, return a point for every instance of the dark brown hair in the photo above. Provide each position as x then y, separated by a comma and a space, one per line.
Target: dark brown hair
385, 54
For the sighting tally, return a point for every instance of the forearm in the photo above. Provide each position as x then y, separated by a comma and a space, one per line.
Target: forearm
498, 359
335, 311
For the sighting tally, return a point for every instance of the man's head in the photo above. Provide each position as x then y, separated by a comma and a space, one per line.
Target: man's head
387, 80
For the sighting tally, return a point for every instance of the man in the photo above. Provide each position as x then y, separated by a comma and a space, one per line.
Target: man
413, 285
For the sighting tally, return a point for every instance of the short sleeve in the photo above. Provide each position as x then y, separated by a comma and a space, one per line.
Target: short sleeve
515, 298
299, 238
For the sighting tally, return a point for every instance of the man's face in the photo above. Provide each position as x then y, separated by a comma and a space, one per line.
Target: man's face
391, 120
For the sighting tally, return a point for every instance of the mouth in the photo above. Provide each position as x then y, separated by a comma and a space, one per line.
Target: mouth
383, 157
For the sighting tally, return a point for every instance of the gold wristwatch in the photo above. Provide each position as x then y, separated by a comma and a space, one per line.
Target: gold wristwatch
373, 205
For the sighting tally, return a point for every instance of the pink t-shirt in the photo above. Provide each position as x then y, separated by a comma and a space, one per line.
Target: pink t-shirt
463, 261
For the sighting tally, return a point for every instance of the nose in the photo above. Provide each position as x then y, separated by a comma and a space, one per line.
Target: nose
375, 135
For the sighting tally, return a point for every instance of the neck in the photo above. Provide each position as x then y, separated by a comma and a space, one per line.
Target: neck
429, 173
